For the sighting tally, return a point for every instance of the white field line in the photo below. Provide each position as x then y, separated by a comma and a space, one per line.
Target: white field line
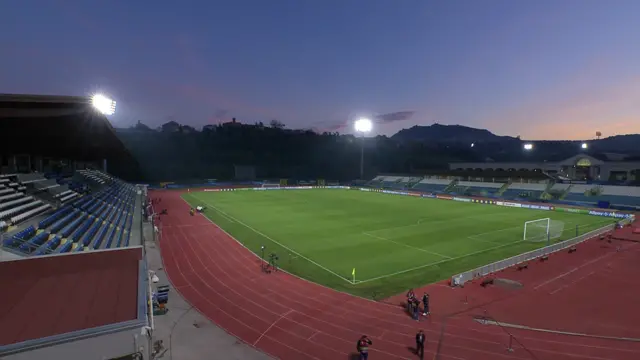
407, 245
437, 262
452, 259
276, 242
223, 215
283, 270
421, 222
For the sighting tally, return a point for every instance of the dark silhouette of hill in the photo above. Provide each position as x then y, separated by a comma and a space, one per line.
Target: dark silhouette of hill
178, 152
449, 134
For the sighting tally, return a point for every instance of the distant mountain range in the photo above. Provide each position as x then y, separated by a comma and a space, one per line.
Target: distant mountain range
458, 134
449, 134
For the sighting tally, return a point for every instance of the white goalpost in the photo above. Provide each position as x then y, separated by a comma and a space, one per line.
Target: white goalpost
542, 230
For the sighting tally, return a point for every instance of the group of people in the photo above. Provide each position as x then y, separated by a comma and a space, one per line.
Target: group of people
364, 342
413, 305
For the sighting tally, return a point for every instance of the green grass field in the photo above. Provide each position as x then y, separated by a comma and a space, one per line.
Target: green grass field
394, 242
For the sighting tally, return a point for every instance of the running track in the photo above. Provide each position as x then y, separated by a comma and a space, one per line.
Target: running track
290, 318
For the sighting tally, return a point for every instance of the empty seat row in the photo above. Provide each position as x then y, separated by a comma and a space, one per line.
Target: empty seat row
18, 209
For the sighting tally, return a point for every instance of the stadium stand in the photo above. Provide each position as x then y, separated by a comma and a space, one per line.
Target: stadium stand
430, 184
53, 201
95, 221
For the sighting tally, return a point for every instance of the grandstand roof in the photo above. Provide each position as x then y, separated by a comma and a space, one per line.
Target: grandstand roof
59, 294
57, 126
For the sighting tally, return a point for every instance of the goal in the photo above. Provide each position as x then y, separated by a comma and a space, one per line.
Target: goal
542, 230
270, 185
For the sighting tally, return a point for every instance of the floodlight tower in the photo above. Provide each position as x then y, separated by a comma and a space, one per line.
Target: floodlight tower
103, 104
362, 126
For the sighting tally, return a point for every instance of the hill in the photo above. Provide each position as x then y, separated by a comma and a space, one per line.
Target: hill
449, 134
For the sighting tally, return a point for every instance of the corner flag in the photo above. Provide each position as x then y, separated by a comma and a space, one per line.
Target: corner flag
353, 273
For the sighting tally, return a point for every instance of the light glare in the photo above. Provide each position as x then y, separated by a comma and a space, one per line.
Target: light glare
363, 125
584, 145
528, 146
103, 104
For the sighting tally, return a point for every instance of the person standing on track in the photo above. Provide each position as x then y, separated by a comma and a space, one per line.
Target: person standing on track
363, 347
425, 304
420, 344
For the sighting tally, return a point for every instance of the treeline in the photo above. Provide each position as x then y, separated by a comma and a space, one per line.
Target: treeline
176, 152
181, 153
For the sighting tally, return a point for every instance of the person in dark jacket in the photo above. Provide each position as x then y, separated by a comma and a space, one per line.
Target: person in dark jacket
425, 304
363, 347
420, 344
416, 309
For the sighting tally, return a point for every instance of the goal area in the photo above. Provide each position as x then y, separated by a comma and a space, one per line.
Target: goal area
542, 230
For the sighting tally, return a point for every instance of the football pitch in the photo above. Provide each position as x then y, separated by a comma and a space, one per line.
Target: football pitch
393, 242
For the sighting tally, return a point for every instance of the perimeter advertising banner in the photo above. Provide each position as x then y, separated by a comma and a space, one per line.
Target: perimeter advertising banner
482, 201
508, 204
536, 207
573, 210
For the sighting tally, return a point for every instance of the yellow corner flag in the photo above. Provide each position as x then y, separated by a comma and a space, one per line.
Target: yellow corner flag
353, 273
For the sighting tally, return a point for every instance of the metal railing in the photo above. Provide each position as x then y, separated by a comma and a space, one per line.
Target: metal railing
485, 270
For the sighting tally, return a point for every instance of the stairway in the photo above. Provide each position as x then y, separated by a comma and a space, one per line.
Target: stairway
451, 185
503, 188
566, 192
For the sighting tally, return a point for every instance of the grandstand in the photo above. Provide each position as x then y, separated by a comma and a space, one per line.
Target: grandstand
70, 234
577, 180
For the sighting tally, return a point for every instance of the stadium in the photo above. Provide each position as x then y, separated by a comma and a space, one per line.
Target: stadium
520, 260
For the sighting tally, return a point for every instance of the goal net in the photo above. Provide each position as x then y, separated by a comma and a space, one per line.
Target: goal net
270, 185
542, 230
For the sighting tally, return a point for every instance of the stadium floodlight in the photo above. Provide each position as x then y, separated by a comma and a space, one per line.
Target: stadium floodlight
528, 146
584, 146
103, 104
473, 144
362, 126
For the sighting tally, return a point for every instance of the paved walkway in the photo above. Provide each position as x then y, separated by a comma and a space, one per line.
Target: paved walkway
186, 334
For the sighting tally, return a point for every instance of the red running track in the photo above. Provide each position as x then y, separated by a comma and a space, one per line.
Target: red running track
291, 318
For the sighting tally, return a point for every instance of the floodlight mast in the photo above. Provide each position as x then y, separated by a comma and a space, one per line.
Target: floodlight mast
362, 126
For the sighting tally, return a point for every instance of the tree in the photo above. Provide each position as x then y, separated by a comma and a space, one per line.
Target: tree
276, 124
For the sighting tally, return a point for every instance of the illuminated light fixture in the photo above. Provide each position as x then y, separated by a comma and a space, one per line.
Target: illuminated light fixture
584, 146
363, 125
473, 144
528, 146
103, 104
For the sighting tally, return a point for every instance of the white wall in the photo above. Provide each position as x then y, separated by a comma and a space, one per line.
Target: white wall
580, 188
436, 181
621, 190
530, 187
560, 187
481, 184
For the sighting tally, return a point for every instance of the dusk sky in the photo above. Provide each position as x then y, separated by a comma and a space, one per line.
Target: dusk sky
560, 69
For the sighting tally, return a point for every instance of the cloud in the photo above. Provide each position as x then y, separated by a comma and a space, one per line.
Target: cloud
395, 116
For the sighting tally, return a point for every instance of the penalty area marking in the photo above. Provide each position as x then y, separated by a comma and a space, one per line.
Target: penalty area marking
437, 262
462, 257
276, 242
406, 245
